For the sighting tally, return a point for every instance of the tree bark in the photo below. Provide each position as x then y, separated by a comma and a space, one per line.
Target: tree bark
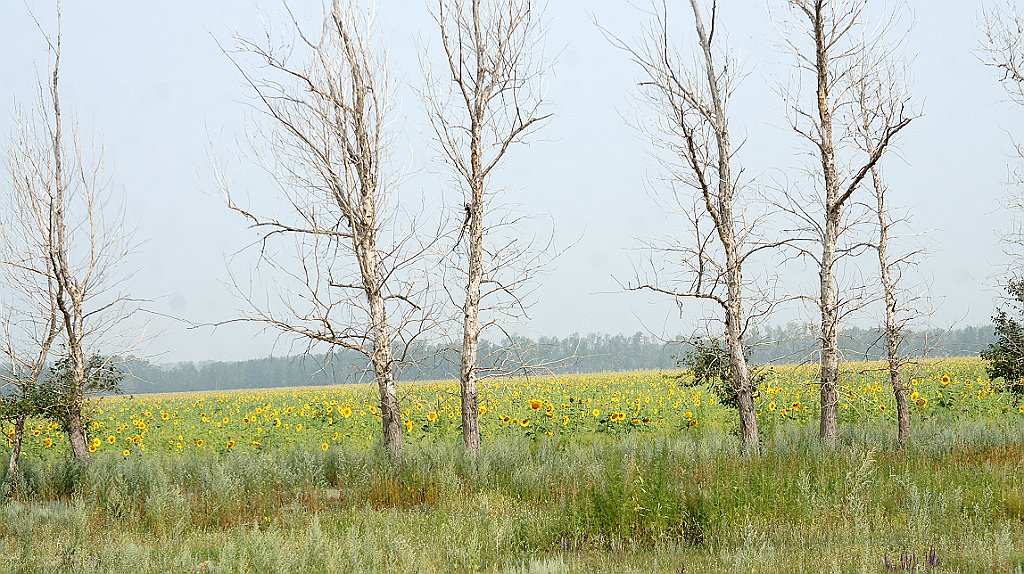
829, 307
365, 243
724, 219
829, 297
471, 325
16, 441
390, 411
76, 434
892, 326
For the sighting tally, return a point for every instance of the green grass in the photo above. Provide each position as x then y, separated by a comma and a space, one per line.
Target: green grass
625, 503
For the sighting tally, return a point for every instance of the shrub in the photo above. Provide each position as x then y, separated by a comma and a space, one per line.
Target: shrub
1005, 356
709, 364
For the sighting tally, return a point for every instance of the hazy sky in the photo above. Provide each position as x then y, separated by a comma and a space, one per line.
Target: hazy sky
150, 80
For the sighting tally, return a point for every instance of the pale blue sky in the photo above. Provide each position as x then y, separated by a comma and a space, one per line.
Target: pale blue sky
150, 80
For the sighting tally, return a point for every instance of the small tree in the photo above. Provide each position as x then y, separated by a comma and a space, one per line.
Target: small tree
1006, 355
50, 394
710, 363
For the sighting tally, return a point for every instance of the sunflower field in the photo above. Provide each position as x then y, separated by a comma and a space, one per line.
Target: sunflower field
537, 408
626, 472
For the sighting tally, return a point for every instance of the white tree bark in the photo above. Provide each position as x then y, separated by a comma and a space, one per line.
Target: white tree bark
351, 276
693, 108
836, 47
486, 102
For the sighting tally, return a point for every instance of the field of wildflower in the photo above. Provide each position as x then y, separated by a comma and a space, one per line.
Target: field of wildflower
628, 472
538, 408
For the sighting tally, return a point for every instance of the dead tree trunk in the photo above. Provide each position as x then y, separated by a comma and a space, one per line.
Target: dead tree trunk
70, 294
834, 202
692, 105
471, 312
838, 46
61, 255
383, 363
486, 104
725, 223
16, 440
353, 275
892, 325
879, 89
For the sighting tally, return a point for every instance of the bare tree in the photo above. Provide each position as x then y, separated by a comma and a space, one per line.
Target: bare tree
348, 274
1002, 48
880, 93
64, 212
692, 103
830, 42
487, 102
29, 322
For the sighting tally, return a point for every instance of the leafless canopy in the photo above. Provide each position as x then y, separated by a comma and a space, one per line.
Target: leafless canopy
482, 99
485, 99
834, 48
702, 171
342, 257
323, 138
65, 248
1002, 48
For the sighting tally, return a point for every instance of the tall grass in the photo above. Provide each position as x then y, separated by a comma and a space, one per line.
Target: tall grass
639, 503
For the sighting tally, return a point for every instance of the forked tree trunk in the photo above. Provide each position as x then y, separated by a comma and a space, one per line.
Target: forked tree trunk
16, 441
836, 28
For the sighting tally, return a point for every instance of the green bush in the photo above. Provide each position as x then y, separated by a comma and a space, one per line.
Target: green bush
1006, 356
709, 364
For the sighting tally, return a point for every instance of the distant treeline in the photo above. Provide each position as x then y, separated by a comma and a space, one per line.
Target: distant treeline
595, 352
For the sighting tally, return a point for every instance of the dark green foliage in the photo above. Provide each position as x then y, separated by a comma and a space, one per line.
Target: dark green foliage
708, 363
50, 397
102, 375
1006, 355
